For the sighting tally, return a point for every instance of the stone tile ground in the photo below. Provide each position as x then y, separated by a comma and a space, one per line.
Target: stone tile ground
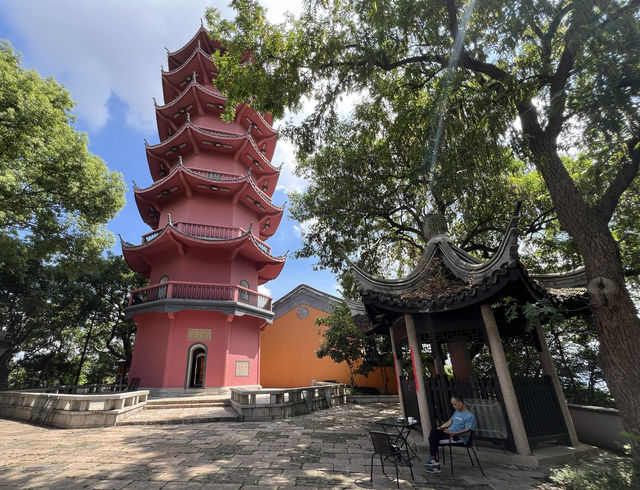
326, 449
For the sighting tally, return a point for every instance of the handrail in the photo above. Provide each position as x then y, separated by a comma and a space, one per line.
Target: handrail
208, 231
199, 291
275, 403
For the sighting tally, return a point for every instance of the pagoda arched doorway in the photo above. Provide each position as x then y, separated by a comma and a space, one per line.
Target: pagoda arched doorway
196, 366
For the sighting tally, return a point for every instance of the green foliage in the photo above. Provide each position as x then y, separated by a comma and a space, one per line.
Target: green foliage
567, 72
376, 355
619, 476
529, 313
51, 187
343, 341
56, 290
61, 328
431, 134
575, 349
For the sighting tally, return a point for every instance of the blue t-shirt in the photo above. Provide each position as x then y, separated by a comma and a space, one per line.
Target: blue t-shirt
461, 421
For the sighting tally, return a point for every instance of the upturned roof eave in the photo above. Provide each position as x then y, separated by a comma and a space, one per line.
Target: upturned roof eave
159, 150
200, 35
468, 269
241, 240
198, 51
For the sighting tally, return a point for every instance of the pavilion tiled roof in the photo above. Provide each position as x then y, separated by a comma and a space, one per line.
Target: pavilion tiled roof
447, 278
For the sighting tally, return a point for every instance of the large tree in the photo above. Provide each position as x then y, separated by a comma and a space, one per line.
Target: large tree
55, 198
567, 72
342, 340
51, 187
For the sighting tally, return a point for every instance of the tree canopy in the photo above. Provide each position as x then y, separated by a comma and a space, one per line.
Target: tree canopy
56, 289
51, 187
343, 341
552, 84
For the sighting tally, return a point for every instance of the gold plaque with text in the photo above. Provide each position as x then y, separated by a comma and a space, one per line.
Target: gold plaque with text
199, 334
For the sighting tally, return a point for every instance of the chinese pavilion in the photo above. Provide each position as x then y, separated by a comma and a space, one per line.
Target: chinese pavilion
210, 209
453, 299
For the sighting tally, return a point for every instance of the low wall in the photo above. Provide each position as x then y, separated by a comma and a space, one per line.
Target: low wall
279, 403
363, 399
599, 426
70, 411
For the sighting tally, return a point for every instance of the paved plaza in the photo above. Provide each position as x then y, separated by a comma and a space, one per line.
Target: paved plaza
326, 449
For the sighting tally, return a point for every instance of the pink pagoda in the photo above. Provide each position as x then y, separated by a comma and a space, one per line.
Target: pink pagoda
210, 209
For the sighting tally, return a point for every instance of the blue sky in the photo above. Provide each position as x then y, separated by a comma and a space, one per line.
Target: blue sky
108, 53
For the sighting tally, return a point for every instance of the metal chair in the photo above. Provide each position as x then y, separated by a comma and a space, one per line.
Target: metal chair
384, 447
469, 445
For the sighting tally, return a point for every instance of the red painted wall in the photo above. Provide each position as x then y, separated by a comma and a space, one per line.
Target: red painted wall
160, 349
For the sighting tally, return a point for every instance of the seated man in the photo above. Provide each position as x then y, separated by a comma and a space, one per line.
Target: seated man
461, 421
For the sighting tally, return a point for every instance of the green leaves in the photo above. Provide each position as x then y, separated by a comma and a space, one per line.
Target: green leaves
343, 341
51, 187
55, 198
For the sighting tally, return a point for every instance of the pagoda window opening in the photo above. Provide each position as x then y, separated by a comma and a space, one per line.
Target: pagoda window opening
242, 294
162, 290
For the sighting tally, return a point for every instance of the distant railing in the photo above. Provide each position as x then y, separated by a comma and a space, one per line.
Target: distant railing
78, 389
215, 175
71, 411
201, 291
208, 231
277, 403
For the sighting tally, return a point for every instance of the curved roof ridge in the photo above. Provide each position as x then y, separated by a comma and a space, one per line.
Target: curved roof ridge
255, 147
576, 278
189, 125
263, 194
159, 232
463, 265
258, 243
124, 243
200, 30
161, 181
195, 52
260, 116
184, 93
181, 168
197, 173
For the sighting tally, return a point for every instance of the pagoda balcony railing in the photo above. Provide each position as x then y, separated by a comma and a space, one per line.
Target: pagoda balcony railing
201, 291
208, 231
215, 174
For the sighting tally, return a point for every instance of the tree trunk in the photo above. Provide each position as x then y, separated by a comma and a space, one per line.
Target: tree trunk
5, 358
84, 353
614, 314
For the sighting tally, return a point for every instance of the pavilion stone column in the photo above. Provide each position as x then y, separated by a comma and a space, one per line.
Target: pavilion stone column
418, 375
506, 384
549, 369
396, 367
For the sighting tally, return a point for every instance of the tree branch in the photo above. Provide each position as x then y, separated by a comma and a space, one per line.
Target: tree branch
609, 200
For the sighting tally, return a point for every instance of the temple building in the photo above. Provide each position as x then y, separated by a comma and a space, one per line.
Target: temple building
210, 211
288, 347
452, 299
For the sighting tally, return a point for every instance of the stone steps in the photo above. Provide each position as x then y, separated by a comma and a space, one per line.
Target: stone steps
187, 403
169, 414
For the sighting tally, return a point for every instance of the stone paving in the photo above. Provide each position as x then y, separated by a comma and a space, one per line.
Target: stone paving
326, 449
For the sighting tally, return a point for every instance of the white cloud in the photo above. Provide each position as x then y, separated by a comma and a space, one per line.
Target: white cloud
301, 228
288, 181
262, 289
101, 48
